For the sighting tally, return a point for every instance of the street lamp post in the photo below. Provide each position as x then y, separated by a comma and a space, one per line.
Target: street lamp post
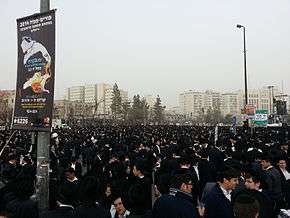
43, 144
245, 63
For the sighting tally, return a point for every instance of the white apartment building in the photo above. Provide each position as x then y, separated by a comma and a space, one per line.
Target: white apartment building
90, 95
193, 103
76, 93
212, 100
230, 104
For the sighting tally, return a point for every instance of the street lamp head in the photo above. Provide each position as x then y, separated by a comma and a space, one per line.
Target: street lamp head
239, 26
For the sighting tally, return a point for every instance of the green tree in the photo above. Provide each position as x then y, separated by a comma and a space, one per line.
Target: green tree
145, 110
213, 116
116, 106
158, 111
136, 113
126, 109
228, 119
139, 111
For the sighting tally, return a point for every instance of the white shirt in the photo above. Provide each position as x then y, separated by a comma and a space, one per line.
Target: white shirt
226, 193
113, 212
196, 170
269, 167
286, 174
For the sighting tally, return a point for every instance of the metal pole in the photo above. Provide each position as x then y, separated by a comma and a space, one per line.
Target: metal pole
42, 185
270, 106
271, 103
44, 5
245, 67
273, 106
43, 144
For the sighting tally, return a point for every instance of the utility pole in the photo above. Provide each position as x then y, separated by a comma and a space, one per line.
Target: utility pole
43, 144
270, 99
245, 62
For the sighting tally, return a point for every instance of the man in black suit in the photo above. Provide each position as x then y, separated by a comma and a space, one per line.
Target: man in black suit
89, 207
10, 169
72, 182
64, 203
179, 202
206, 169
185, 168
139, 169
218, 200
77, 166
273, 181
255, 187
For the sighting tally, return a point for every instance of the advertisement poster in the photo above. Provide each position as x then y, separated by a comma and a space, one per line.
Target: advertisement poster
35, 72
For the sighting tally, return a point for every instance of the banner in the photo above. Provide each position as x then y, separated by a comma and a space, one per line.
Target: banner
35, 72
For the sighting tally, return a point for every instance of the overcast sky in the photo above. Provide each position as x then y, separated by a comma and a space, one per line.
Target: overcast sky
159, 46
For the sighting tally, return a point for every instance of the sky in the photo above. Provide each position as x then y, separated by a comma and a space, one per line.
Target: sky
159, 47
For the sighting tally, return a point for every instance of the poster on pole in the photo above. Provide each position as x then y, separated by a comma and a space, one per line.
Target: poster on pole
35, 72
250, 110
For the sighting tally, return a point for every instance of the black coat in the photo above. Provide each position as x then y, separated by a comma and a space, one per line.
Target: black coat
146, 183
172, 206
274, 183
136, 213
91, 211
22, 208
217, 205
265, 203
195, 183
60, 212
140, 216
206, 173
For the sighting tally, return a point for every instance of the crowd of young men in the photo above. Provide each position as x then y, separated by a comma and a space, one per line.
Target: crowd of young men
150, 171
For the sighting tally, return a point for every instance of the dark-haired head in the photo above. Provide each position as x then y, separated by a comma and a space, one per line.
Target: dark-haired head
228, 178
182, 182
246, 206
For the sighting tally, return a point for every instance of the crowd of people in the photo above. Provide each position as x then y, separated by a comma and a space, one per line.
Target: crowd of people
149, 172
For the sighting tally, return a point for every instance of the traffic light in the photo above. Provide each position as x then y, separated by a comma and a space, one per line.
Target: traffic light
281, 107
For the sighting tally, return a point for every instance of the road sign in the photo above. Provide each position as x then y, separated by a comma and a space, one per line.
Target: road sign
261, 117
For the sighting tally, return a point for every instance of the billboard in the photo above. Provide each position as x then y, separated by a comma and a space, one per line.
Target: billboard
35, 72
